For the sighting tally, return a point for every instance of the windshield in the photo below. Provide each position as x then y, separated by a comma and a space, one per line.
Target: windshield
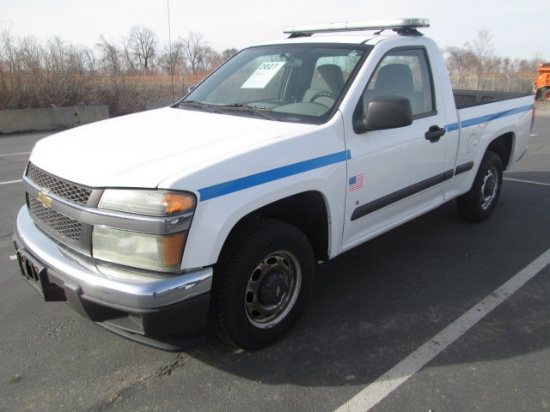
294, 83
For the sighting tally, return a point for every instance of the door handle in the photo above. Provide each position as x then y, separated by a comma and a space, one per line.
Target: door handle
434, 133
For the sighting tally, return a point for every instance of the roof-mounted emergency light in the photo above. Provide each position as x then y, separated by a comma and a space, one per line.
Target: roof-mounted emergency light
401, 26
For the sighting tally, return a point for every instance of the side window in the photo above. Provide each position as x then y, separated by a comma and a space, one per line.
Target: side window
405, 73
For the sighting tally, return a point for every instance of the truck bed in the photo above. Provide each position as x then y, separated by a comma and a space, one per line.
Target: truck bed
469, 98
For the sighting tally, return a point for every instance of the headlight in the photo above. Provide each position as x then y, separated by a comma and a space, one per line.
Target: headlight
147, 202
160, 253
138, 245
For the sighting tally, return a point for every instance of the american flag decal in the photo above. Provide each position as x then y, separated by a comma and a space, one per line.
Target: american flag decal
356, 182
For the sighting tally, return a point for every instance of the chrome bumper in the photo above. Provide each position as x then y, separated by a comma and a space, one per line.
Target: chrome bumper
128, 291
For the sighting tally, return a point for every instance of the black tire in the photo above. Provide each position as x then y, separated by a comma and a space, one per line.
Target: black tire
261, 283
478, 204
546, 95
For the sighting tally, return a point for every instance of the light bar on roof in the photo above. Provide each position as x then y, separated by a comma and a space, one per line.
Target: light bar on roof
396, 24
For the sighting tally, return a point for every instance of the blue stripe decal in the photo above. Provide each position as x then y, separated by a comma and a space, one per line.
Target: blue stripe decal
484, 119
257, 179
451, 127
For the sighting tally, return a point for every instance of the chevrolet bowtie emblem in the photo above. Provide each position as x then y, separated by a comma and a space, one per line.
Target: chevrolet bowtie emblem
44, 199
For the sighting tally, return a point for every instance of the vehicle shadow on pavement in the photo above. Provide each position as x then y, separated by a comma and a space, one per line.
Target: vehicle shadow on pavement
374, 305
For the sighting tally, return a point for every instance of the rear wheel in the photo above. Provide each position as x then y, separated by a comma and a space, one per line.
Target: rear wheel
262, 283
546, 95
478, 204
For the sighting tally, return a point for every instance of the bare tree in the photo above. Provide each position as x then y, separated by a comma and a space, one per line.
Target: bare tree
228, 53
30, 53
215, 59
461, 61
141, 47
172, 60
10, 66
8, 51
111, 56
482, 47
89, 61
194, 47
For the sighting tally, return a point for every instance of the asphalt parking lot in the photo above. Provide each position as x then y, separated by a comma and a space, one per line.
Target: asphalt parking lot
415, 320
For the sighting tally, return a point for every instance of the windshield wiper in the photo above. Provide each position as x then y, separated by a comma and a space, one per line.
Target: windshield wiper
236, 107
243, 107
198, 105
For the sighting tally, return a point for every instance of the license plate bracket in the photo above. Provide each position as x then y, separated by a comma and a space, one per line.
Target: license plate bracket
37, 276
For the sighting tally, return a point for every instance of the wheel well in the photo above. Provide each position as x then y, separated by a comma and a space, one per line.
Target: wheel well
307, 211
502, 146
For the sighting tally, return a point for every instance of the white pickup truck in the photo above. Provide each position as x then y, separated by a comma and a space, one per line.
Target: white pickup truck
216, 210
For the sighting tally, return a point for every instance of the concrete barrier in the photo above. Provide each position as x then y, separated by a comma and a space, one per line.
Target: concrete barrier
157, 105
52, 118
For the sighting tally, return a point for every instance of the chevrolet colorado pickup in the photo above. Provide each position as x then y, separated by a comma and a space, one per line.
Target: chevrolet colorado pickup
216, 210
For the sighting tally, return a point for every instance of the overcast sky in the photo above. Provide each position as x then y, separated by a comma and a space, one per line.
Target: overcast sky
520, 29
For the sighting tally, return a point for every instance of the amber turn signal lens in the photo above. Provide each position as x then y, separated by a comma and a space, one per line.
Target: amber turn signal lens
172, 247
178, 203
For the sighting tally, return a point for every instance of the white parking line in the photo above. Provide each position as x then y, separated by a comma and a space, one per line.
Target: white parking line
400, 373
526, 181
9, 182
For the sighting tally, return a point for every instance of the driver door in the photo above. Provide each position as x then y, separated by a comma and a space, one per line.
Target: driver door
395, 174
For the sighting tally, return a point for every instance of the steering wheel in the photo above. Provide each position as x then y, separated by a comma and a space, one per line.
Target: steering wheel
323, 94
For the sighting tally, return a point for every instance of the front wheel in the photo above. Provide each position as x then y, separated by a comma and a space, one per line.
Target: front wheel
261, 285
478, 204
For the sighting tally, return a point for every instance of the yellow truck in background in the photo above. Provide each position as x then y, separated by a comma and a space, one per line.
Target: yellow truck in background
541, 85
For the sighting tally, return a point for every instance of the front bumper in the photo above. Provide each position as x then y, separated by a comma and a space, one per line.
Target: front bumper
165, 311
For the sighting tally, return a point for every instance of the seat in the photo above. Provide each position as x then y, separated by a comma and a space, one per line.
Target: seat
326, 85
396, 80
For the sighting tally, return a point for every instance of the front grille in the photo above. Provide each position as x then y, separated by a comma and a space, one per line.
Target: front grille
54, 222
62, 188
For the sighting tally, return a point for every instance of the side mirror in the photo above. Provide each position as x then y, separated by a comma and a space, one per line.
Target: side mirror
385, 112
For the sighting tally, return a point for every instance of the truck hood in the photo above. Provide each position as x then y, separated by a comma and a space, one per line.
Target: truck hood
143, 149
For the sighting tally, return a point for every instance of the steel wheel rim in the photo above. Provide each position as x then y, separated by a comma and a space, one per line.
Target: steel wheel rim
489, 188
272, 289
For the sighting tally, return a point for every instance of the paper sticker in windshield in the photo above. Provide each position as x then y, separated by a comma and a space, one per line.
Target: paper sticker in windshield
263, 75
